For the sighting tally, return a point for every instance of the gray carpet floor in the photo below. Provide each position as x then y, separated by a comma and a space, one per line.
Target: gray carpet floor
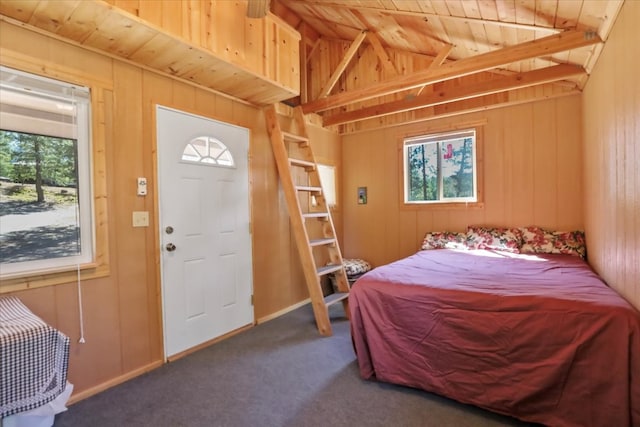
278, 374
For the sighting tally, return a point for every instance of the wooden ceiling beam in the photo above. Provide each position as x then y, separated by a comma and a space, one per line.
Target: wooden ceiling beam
343, 64
452, 109
386, 62
437, 61
442, 56
313, 49
375, 42
427, 15
545, 46
500, 84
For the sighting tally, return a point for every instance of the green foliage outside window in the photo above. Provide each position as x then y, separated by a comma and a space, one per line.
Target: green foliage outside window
440, 168
423, 172
36, 159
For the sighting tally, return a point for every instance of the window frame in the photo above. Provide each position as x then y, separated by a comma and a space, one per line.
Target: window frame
202, 161
334, 180
57, 91
100, 97
439, 204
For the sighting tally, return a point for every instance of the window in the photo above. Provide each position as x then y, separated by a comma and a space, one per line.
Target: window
440, 168
207, 150
45, 189
328, 182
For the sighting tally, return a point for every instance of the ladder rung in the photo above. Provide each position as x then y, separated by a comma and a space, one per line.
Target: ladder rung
316, 215
290, 137
309, 166
328, 269
335, 297
320, 215
320, 242
309, 189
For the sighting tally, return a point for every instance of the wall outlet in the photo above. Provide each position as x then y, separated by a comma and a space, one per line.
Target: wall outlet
141, 219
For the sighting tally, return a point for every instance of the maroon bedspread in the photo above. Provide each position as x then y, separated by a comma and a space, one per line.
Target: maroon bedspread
540, 338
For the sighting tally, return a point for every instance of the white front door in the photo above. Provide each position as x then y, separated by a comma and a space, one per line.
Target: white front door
206, 263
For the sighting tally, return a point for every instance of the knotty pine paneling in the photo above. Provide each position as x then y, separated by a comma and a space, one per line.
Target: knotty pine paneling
210, 43
611, 122
267, 47
532, 168
122, 312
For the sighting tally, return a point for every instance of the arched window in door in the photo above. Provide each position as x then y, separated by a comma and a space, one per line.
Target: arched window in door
207, 151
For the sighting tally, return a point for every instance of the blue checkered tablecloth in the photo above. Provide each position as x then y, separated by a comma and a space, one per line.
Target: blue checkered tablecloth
34, 359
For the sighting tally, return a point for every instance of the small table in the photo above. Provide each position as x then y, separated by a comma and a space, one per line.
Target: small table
34, 358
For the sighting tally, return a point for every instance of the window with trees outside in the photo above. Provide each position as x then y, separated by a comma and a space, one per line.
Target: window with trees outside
45, 180
440, 168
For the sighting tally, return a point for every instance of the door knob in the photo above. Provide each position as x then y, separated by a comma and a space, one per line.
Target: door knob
170, 247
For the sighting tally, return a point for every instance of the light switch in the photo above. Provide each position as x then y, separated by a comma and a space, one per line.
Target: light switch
140, 219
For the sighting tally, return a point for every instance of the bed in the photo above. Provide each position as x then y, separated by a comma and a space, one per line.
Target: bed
537, 336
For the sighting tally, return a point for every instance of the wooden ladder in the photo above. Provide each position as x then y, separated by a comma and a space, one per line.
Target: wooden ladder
315, 222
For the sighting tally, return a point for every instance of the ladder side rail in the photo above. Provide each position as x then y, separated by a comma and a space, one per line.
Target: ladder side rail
297, 221
328, 229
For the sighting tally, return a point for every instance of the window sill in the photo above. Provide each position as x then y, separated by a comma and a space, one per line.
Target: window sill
440, 206
30, 280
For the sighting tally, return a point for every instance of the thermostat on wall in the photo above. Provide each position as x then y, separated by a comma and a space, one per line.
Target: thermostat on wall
362, 195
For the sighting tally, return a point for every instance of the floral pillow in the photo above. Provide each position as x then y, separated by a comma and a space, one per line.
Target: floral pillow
540, 240
444, 240
498, 239
353, 267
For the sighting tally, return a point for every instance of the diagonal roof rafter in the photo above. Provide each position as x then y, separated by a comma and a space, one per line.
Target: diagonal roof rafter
437, 61
353, 48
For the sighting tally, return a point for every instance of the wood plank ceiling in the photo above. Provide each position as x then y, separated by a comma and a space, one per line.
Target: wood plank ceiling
363, 63
459, 50
184, 39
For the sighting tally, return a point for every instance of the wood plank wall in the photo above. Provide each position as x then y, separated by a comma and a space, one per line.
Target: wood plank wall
532, 176
612, 157
122, 316
267, 47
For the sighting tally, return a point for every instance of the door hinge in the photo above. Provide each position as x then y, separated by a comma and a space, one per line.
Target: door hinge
251, 299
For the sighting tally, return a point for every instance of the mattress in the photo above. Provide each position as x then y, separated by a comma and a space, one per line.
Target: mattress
538, 337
